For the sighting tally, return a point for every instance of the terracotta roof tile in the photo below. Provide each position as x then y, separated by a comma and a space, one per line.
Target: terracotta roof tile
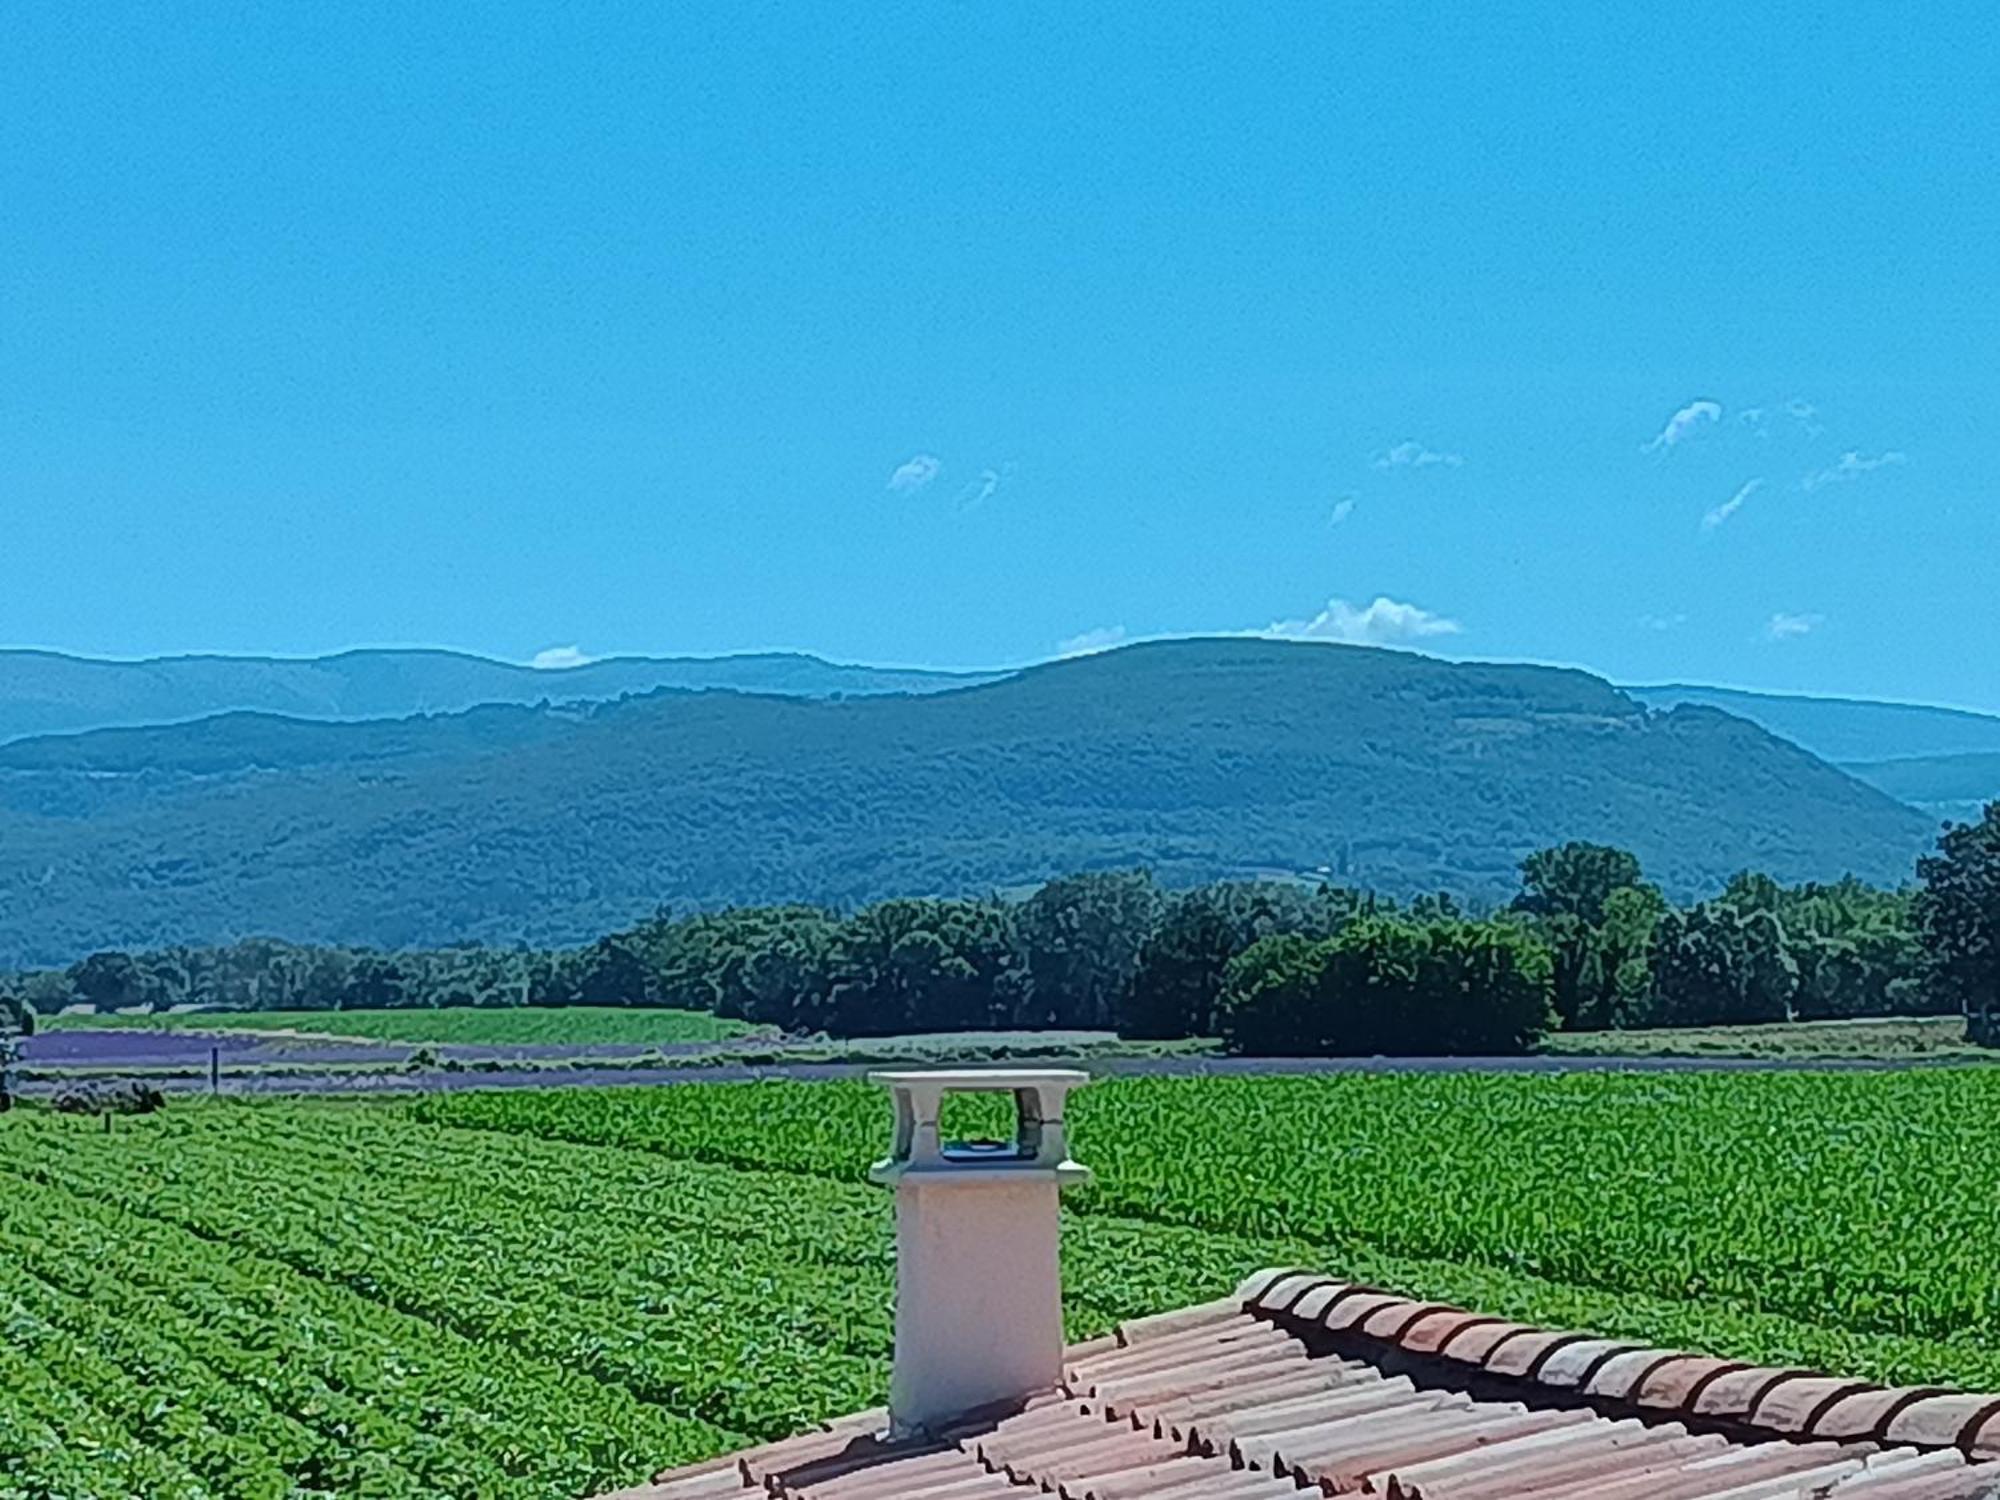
1319, 1300
1677, 1384
1940, 1421
1282, 1293
1543, 1460
1289, 1384
726, 1481
1920, 1479
1372, 1464
1354, 1310
1234, 1434
1866, 1413
1160, 1325
1733, 1396
1524, 1353
1796, 1405
1985, 1439
1572, 1365
1394, 1322
1474, 1341
1179, 1416
1623, 1376
1430, 1333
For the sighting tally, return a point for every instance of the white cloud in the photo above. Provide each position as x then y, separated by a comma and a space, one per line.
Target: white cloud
1851, 466
1383, 622
1684, 423
914, 473
980, 490
1730, 506
558, 658
1103, 638
1662, 622
1342, 509
1802, 414
1414, 455
1785, 627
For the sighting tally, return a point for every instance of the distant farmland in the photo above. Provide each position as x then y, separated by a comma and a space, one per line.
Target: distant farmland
581, 1025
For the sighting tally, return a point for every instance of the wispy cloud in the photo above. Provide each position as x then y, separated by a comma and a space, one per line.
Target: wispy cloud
1414, 455
1103, 638
1683, 424
1851, 465
978, 491
1729, 507
1662, 622
1342, 509
1800, 412
558, 658
914, 473
1382, 622
1788, 627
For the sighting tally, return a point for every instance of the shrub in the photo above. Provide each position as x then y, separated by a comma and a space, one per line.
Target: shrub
108, 1096
1390, 986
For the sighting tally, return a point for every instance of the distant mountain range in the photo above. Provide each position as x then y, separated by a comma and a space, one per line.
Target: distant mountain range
1944, 761
1199, 758
1910, 751
46, 692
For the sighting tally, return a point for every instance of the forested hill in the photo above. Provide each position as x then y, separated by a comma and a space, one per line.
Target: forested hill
1844, 729
1199, 759
46, 692
1942, 761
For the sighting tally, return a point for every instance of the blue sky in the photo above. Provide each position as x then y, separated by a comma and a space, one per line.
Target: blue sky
1656, 340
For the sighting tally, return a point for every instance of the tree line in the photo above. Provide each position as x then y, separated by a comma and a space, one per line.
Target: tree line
1271, 967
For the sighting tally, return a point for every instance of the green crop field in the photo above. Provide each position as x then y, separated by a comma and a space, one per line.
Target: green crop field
581, 1025
535, 1294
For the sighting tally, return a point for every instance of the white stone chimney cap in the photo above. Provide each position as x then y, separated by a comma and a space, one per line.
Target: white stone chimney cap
992, 1080
1040, 1147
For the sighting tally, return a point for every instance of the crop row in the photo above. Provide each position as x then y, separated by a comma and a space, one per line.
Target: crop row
1862, 1200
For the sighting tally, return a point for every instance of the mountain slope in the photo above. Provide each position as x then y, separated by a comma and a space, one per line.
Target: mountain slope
1198, 758
1843, 729
45, 692
1946, 786
1945, 762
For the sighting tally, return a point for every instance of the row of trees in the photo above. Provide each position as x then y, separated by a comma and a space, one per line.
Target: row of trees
1760, 951
1272, 967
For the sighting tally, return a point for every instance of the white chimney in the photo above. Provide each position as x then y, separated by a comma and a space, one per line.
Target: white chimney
978, 1279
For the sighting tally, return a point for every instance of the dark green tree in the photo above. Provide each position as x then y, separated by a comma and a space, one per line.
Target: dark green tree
1392, 986
613, 971
1575, 879
108, 981
1178, 975
926, 965
1958, 920
1271, 1002
1716, 966
1571, 892
1080, 937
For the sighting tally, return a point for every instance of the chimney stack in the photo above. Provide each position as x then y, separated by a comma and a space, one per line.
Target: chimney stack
978, 1278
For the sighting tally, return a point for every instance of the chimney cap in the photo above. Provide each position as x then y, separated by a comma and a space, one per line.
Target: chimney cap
1040, 1147
998, 1080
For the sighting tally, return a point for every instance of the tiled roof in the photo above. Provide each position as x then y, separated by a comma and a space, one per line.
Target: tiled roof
1301, 1382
